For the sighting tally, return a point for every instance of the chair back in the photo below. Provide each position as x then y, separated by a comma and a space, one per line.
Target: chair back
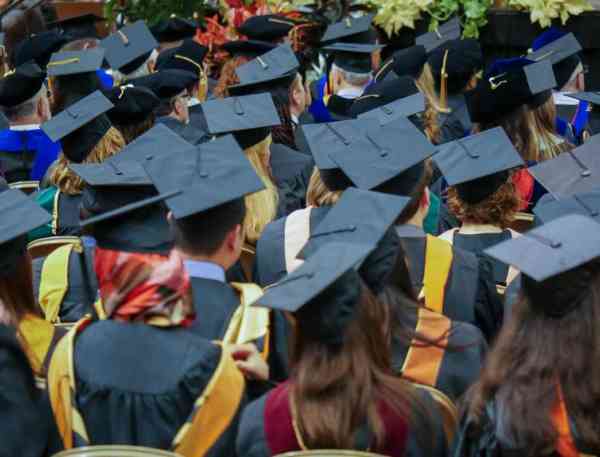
247, 261
448, 410
28, 187
115, 451
329, 453
45, 246
523, 222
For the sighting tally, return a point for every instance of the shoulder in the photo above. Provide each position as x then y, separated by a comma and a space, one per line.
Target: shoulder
251, 441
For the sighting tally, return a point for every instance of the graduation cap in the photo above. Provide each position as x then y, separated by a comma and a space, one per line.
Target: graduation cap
267, 27
273, 65
131, 105
214, 174
81, 126
586, 204
350, 29
358, 217
39, 48
478, 164
68, 63
112, 174
353, 57
448, 31
373, 160
248, 117
187, 57
561, 49
389, 100
572, 172
173, 29
248, 48
455, 62
551, 249
21, 214
20, 85
128, 48
510, 84
405, 62
79, 26
166, 84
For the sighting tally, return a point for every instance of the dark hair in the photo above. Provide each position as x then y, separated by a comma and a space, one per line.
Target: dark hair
18, 25
283, 133
416, 195
551, 341
16, 291
131, 131
204, 233
335, 388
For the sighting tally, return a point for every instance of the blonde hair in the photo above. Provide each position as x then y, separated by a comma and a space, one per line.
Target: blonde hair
542, 120
426, 85
261, 207
71, 184
318, 194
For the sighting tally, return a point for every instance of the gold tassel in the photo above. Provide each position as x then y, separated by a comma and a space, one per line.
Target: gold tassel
444, 83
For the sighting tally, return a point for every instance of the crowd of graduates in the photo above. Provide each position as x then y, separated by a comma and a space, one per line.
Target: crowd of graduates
321, 245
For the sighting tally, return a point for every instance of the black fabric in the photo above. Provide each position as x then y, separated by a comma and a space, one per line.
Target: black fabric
39, 48
190, 133
78, 145
457, 120
340, 107
22, 85
68, 215
173, 29
266, 27
463, 59
462, 361
29, 429
162, 389
292, 171
479, 243
17, 166
131, 104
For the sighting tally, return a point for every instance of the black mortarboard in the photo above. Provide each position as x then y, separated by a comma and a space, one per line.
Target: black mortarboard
81, 126
187, 57
448, 31
166, 84
75, 62
463, 59
572, 172
267, 27
358, 217
21, 85
249, 117
590, 97
213, 174
510, 84
376, 161
79, 26
173, 29
350, 29
126, 173
353, 57
587, 204
131, 43
131, 104
248, 48
159, 140
273, 65
39, 48
389, 100
561, 49
405, 62
551, 249
478, 164
21, 214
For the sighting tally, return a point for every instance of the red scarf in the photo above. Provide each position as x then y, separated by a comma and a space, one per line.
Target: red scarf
149, 288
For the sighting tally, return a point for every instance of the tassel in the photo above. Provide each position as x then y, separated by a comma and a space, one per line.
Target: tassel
444, 84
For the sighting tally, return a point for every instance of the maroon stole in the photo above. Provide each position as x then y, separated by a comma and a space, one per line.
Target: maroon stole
279, 432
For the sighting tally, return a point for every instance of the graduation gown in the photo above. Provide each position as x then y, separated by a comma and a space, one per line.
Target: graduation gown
26, 154
28, 428
470, 292
457, 123
126, 396
455, 368
328, 108
190, 133
65, 214
266, 429
291, 171
78, 288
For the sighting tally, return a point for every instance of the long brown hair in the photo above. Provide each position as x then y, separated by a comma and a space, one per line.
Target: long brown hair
426, 85
536, 353
228, 77
16, 293
335, 388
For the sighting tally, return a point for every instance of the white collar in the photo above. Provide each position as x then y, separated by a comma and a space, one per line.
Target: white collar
560, 98
20, 128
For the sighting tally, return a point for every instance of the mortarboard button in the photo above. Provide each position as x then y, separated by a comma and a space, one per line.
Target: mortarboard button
348, 28
272, 65
586, 204
128, 44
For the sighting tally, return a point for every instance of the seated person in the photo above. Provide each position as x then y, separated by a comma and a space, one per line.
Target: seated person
133, 110
532, 398
26, 152
340, 348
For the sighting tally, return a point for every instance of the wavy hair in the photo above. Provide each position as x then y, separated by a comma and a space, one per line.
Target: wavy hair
317, 193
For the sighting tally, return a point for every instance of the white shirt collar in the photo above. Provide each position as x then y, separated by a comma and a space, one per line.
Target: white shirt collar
20, 128
205, 270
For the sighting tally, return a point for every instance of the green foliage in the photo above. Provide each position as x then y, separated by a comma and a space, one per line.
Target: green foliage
545, 11
157, 10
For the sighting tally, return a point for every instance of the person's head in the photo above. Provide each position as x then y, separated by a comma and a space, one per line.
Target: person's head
261, 207
133, 111
36, 110
418, 206
175, 107
16, 289
19, 24
343, 79
299, 96
137, 69
460, 60
67, 181
228, 77
216, 234
318, 194
426, 84
550, 344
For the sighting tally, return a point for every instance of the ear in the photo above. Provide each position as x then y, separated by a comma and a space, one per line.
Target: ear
234, 239
425, 199
39, 108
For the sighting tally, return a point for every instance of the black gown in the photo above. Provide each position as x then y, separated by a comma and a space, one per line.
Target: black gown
28, 428
470, 294
479, 243
137, 384
291, 171
457, 123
